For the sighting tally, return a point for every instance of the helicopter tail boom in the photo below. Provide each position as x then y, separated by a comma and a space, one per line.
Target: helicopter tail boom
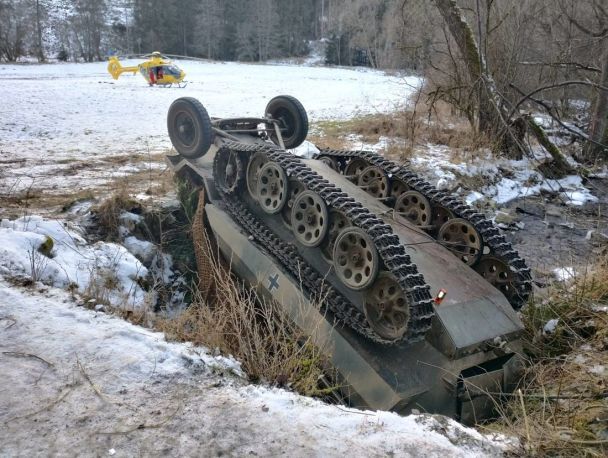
116, 69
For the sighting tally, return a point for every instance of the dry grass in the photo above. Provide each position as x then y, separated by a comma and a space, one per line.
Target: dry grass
108, 213
562, 409
410, 132
14, 205
234, 319
255, 331
148, 180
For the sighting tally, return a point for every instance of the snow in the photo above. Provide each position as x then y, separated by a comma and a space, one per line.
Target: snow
564, 273
597, 369
473, 197
142, 249
439, 165
106, 269
74, 378
59, 114
551, 326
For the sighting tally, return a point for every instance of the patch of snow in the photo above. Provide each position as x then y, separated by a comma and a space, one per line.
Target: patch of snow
416, 435
597, 369
578, 198
102, 266
550, 326
473, 197
306, 150
580, 359
162, 267
564, 273
599, 308
142, 249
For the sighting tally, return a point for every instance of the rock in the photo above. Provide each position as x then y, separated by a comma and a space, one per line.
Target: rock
99, 308
504, 216
596, 238
552, 210
531, 208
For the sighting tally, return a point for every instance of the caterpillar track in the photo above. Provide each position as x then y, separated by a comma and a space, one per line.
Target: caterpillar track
392, 253
400, 286
498, 262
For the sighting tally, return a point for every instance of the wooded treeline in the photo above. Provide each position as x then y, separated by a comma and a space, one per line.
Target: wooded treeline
486, 58
248, 30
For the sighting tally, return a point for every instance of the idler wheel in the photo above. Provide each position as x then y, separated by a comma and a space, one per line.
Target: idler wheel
189, 127
354, 168
309, 218
413, 207
373, 180
253, 172
230, 171
441, 215
461, 238
331, 162
498, 273
295, 188
272, 188
355, 258
292, 119
337, 222
398, 187
386, 308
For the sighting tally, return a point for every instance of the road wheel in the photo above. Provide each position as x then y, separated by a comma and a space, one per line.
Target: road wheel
309, 218
356, 260
272, 188
386, 308
461, 238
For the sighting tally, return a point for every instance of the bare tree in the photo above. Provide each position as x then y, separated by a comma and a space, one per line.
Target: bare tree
14, 26
88, 23
598, 130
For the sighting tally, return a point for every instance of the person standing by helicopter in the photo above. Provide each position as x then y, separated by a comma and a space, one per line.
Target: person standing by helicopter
152, 75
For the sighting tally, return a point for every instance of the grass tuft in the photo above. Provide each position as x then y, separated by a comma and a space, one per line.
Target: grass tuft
108, 213
562, 407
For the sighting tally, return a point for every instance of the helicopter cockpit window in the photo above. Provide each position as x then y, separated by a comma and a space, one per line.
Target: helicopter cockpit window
171, 70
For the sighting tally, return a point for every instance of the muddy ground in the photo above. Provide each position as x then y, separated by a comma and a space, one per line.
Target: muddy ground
557, 236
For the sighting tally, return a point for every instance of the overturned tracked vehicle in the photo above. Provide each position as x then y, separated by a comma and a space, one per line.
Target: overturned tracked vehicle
418, 292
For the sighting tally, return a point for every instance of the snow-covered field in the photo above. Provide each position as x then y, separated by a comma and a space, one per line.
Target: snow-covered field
56, 117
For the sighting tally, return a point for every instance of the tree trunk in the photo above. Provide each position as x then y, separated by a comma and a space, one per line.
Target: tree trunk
39, 33
492, 117
489, 105
598, 130
560, 163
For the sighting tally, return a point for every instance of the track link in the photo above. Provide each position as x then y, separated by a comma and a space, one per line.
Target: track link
492, 237
387, 244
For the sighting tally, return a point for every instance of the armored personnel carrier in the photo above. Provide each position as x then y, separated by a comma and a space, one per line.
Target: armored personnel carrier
411, 293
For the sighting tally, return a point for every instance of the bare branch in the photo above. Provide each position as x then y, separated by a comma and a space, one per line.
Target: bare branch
595, 34
554, 86
550, 112
576, 65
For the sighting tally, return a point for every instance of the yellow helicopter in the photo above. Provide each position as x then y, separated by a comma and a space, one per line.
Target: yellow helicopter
158, 70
